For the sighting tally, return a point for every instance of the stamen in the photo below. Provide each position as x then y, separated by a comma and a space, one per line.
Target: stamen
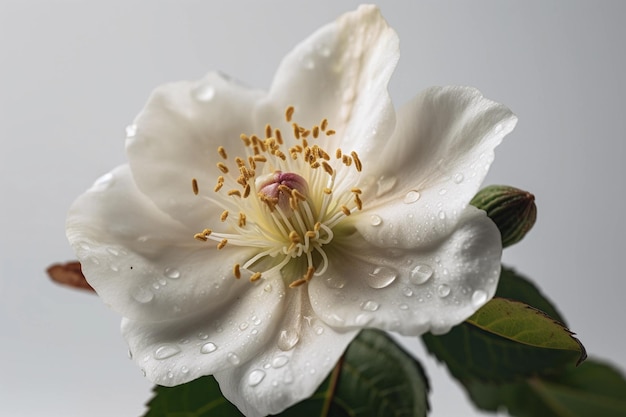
255, 277
309, 273
222, 152
268, 131
224, 215
338, 153
324, 125
330, 132
359, 203
222, 243
289, 113
242, 219
327, 168
236, 271
357, 161
297, 283
222, 167
246, 191
356, 190
296, 131
345, 210
194, 186
234, 192
245, 139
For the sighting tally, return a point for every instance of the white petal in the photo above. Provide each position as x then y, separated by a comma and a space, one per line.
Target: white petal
441, 151
178, 351
176, 138
413, 291
141, 262
341, 73
279, 377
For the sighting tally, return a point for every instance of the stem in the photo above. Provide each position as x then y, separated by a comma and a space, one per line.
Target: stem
332, 386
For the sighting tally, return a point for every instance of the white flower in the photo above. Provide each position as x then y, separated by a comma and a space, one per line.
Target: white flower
293, 243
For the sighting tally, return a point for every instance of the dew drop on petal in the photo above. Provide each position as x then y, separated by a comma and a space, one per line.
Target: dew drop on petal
442, 215
403, 306
255, 377
172, 273
381, 277
166, 351
478, 298
375, 220
268, 288
103, 182
318, 330
184, 370
243, 326
385, 184
233, 358
370, 305
131, 131
443, 191
420, 274
280, 361
203, 336
335, 282
407, 292
411, 197
205, 93
458, 178
287, 339
142, 295
208, 348
363, 319
443, 290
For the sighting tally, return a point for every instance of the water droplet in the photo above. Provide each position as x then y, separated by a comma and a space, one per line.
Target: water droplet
458, 178
443, 290
208, 348
103, 182
375, 220
407, 292
370, 305
142, 295
318, 330
324, 50
172, 273
84, 245
130, 354
256, 377
478, 298
280, 361
363, 319
166, 351
443, 191
131, 131
143, 372
420, 274
114, 268
233, 358
442, 215
203, 336
184, 370
287, 339
162, 281
254, 331
411, 197
403, 306
243, 326
381, 277
335, 282
205, 92
385, 184
268, 288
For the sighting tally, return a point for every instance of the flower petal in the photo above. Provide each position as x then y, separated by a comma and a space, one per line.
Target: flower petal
441, 151
412, 291
176, 136
178, 351
142, 263
279, 376
341, 73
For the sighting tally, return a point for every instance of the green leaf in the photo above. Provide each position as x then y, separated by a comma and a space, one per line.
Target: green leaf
503, 341
516, 287
592, 389
375, 377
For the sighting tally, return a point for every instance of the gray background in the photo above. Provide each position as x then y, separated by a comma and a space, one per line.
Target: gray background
73, 74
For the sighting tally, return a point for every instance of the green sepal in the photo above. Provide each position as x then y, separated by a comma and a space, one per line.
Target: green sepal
511, 209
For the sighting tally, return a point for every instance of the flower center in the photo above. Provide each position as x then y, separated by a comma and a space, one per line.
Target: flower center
286, 207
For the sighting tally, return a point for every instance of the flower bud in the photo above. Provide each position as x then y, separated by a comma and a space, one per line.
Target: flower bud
511, 209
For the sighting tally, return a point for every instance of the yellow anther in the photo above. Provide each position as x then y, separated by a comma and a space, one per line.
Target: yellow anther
309, 273
324, 155
330, 132
234, 192
296, 131
222, 167
280, 155
305, 143
356, 190
293, 203
194, 186
297, 283
260, 158
347, 161
315, 165
338, 153
222, 243
242, 219
236, 271
200, 236
317, 226
268, 131
255, 277
297, 194
345, 210
289, 113
245, 139
252, 162
357, 200
310, 234
246, 191
315, 131
327, 191
222, 152
357, 161
327, 168
218, 186
279, 136
324, 125
294, 237
224, 215
305, 133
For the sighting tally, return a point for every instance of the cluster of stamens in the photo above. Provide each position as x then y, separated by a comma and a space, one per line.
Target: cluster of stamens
284, 199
